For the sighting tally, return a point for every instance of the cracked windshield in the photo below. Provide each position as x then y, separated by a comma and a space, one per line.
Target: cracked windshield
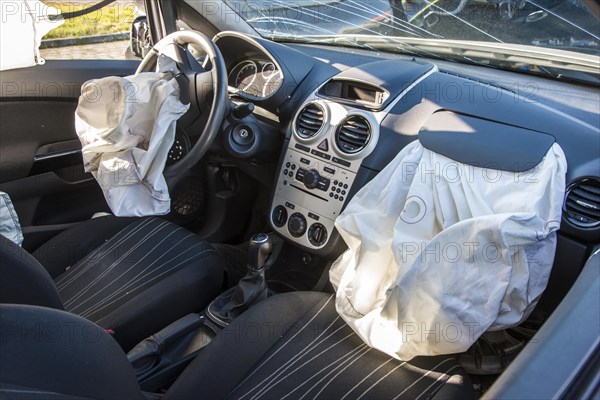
439, 28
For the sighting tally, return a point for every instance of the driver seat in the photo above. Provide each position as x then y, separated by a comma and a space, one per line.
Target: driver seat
131, 276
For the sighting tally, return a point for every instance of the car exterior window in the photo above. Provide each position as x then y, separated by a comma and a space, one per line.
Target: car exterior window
101, 35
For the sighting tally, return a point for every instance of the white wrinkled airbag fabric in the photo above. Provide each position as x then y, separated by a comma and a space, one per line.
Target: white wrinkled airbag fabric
127, 126
439, 251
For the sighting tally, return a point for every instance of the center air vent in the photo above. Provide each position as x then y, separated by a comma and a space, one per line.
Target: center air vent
582, 203
353, 134
309, 121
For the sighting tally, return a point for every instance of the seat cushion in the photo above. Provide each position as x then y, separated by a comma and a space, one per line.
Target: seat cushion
296, 346
142, 278
68, 247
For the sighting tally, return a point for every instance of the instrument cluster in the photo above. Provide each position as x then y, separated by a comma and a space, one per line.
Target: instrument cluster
255, 79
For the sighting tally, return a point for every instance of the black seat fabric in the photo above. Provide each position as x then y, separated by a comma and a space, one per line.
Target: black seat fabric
133, 276
290, 346
295, 346
51, 354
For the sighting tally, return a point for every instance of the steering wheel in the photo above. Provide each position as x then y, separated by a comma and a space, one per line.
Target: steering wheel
196, 83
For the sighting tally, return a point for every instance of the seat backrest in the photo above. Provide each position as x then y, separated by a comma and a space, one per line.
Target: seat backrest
60, 355
24, 280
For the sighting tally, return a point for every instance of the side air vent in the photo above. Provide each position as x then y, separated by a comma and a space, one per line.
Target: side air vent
353, 134
582, 203
309, 121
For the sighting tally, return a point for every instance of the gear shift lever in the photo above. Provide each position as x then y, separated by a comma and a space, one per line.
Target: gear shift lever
259, 250
251, 289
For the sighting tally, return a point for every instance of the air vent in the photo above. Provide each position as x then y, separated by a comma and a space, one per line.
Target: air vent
309, 121
582, 203
353, 134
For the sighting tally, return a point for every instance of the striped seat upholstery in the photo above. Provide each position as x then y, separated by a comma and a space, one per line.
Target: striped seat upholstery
290, 346
133, 276
126, 265
295, 346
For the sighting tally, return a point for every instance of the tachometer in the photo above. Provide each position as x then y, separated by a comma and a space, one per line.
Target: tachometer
242, 76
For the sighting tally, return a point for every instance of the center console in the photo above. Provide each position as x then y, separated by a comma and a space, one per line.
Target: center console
328, 143
334, 130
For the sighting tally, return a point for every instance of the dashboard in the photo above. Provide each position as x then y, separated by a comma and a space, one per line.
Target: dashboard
345, 114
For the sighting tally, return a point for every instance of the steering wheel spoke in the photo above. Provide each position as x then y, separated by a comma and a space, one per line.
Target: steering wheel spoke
204, 89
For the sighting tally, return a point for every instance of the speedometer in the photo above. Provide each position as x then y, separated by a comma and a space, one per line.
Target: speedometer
242, 76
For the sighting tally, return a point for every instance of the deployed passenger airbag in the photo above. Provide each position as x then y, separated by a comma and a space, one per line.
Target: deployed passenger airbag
441, 251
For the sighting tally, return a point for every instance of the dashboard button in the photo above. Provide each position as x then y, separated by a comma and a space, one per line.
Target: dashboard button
302, 147
340, 161
329, 170
324, 145
313, 216
300, 174
320, 154
304, 161
287, 164
324, 184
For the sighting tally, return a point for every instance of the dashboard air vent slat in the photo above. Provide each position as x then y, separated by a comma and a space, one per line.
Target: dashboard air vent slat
582, 203
353, 135
309, 121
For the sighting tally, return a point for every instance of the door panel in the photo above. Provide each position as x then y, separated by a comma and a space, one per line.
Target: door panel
41, 166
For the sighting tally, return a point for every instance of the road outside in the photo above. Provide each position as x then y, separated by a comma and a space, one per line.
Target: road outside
100, 51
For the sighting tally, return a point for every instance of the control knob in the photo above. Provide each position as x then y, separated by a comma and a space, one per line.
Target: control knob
279, 216
311, 179
317, 234
297, 224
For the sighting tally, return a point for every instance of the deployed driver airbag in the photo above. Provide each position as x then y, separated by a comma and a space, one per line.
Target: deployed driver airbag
440, 251
127, 126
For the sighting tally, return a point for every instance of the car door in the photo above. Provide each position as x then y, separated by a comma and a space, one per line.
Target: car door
40, 154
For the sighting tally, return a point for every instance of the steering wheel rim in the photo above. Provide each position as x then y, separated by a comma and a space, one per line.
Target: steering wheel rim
220, 96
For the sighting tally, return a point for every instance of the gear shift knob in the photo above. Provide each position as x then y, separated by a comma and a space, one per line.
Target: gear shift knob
259, 250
